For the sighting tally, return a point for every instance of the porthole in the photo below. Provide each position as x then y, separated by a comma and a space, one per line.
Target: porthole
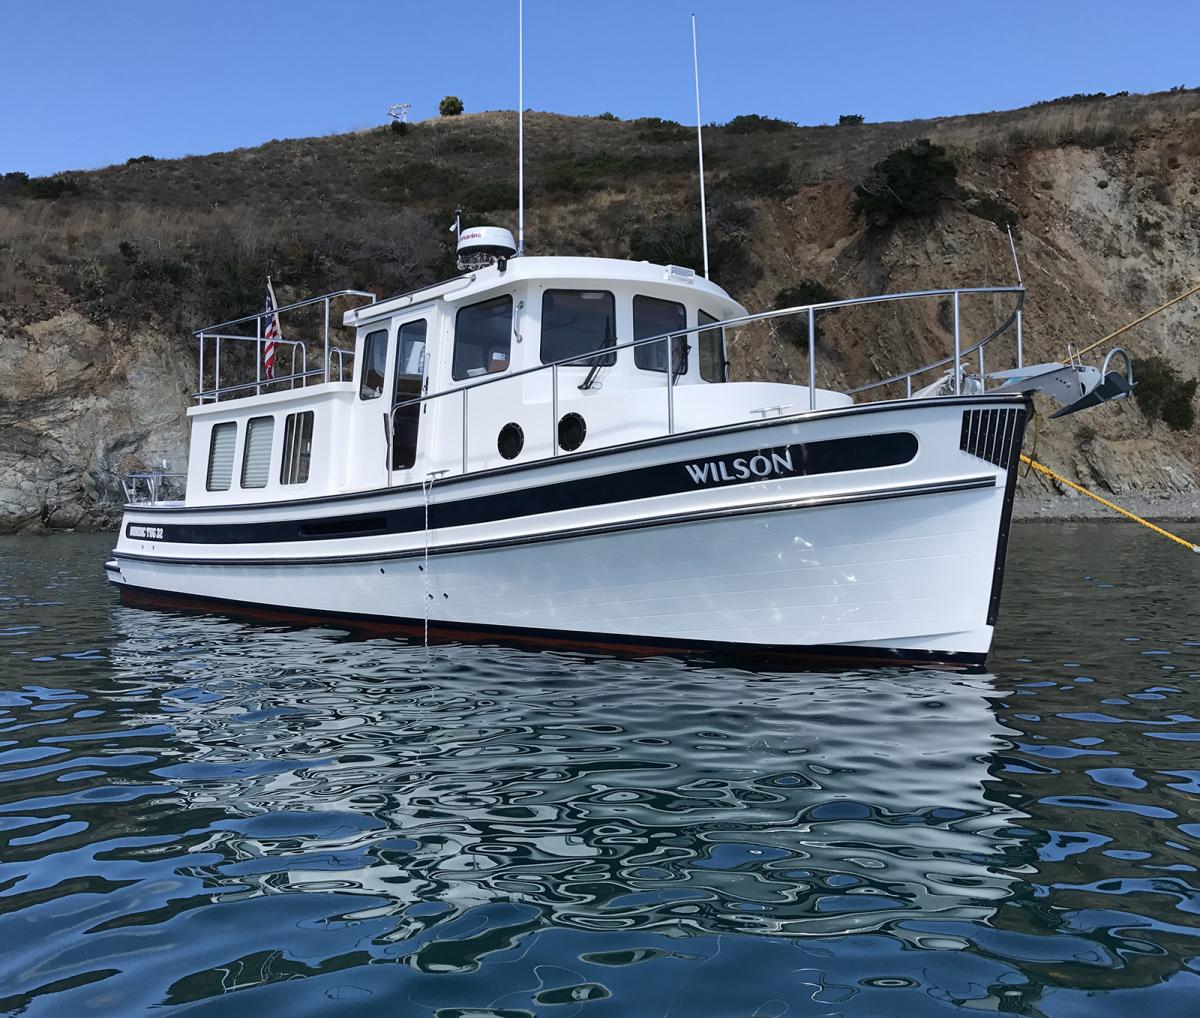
511, 441
572, 430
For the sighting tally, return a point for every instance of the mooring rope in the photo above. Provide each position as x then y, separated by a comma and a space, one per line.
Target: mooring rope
1043, 469
1138, 321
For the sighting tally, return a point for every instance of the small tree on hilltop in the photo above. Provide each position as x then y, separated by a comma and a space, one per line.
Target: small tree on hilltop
850, 119
451, 106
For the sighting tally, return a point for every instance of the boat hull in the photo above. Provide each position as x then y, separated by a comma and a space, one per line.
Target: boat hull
843, 543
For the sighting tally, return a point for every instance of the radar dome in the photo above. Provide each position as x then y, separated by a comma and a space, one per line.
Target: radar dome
481, 246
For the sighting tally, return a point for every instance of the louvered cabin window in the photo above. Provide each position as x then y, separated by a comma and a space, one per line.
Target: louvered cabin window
297, 448
220, 456
256, 456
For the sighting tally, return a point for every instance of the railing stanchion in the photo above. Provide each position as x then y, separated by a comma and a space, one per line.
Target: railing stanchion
1020, 342
217, 373
200, 387
957, 349
670, 385
554, 410
812, 359
908, 386
466, 389
326, 339
982, 372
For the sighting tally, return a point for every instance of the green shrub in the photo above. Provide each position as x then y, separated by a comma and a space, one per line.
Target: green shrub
463, 143
655, 129
490, 196
762, 180
134, 160
747, 123
50, 188
1085, 433
675, 240
450, 106
577, 175
419, 180
806, 291
1162, 395
400, 127
15, 183
985, 206
607, 116
911, 182
850, 119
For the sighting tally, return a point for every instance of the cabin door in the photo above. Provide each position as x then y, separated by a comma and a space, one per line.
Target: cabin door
408, 383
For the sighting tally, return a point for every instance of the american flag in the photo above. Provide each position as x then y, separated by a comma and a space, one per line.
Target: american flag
272, 335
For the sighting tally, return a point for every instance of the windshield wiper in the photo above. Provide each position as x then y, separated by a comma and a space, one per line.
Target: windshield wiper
609, 341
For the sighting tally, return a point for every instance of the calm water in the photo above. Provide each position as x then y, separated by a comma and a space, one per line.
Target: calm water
206, 817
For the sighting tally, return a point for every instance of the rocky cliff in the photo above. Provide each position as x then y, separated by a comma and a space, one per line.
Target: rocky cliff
104, 274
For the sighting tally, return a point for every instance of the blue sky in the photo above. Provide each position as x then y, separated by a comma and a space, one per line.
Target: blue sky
86, 84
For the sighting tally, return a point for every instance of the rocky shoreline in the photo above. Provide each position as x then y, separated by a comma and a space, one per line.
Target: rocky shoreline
1155, 508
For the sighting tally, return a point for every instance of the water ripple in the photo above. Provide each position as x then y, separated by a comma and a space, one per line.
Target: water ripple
202, 814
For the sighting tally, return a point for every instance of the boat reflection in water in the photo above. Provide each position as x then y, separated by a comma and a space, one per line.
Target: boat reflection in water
607, 794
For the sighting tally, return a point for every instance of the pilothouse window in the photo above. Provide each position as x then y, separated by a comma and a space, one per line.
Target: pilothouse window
483, 338
578, 322
712, 350
653, 317
374, 362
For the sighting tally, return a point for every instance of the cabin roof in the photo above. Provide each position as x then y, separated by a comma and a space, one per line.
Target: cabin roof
554, 268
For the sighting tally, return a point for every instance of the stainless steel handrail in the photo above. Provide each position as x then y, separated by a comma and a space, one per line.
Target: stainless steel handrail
259, 381
341, 357
307, 302
762, 316
213, 332
152, 479
202, 394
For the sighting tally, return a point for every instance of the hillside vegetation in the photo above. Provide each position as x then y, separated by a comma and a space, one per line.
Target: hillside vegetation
103, 274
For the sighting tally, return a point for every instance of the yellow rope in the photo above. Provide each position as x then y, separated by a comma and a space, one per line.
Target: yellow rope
1041, 468
1138, 321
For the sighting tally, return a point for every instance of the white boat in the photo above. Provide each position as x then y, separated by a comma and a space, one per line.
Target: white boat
515, 454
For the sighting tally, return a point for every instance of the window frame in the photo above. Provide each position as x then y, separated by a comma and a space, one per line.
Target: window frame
679, 344
416, 410
454, 353
606, 360
296, 460
370, 342
222, 428
266, 474
701, 338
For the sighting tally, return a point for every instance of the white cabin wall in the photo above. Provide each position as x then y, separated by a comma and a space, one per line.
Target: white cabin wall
328, 473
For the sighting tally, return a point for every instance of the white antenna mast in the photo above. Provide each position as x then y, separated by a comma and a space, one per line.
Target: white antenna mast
700, 149
520, 127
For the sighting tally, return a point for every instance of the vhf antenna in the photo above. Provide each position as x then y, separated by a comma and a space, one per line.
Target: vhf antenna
700, 149
520, 127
